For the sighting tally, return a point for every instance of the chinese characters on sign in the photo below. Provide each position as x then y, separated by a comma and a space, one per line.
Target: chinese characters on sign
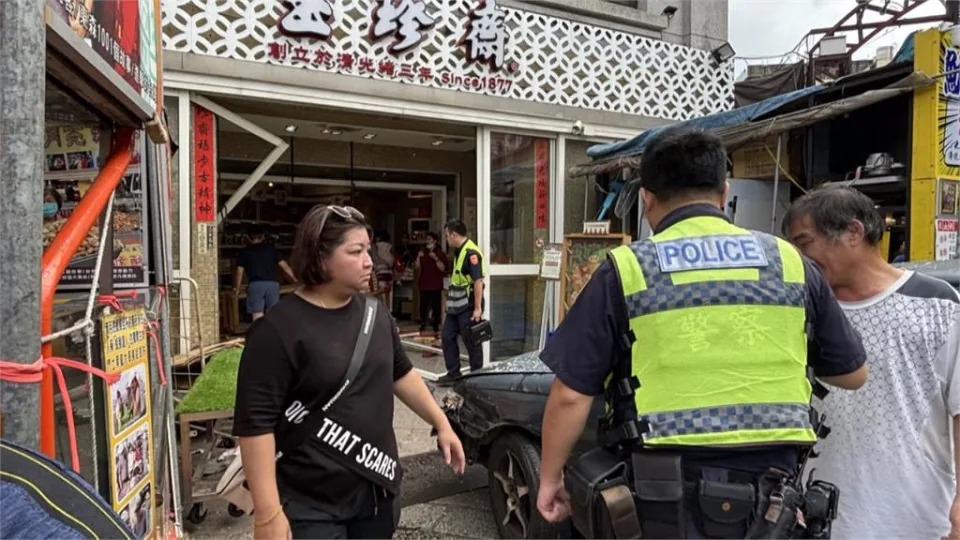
114, 31
486, 37
542, 183
950, 114
946, 239
406, 20
204, 169
406, 23
124, 343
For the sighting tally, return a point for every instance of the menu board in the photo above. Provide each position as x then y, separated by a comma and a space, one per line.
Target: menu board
72, 164
128, 419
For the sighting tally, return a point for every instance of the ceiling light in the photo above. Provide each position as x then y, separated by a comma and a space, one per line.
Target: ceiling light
290, 129
437, 142
723, 53
326, 131
269, 184
370, 136
336, 132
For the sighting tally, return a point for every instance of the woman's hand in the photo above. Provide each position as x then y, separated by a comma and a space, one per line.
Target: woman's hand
452, 449
277, 528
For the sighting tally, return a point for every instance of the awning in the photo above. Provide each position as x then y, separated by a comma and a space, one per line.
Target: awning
736, 134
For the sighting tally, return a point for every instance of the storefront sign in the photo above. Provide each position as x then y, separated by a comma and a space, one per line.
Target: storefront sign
552, 262
541, 153
71, 161
946, 240
949, 109
128, 416
204, 166
472, 46
122, 32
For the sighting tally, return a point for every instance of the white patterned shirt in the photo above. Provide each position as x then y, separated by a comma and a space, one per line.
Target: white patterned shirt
890, 450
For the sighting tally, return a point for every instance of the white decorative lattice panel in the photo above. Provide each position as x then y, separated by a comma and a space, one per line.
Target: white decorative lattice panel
546, 59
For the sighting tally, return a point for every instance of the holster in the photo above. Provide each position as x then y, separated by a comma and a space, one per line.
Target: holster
601, 504
777, 509
658, 486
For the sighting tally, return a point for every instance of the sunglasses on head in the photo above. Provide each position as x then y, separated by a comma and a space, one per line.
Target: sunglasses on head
345, 212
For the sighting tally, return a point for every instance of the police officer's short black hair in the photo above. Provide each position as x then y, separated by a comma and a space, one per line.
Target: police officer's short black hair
682, 161
456, 226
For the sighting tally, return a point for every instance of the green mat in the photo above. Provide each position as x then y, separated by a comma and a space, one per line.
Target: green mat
216, 388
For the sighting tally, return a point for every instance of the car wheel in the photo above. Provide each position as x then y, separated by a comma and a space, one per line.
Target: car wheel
514, 481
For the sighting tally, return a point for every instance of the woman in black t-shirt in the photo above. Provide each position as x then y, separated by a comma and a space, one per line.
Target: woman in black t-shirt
343, 480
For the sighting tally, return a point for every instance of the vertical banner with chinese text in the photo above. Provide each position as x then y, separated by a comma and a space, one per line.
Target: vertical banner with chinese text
542, 183
128, 418
204, 166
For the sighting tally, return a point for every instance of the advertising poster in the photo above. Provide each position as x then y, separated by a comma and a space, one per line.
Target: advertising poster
128, 415
122, 32
552, 264
949, 193
72, 164
945, 245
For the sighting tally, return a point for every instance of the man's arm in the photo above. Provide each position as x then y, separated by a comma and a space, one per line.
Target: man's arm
563, 422
287, 271
237, 278
478, 299
838, 358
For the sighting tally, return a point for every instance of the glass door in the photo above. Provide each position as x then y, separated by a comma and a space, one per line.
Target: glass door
517, 173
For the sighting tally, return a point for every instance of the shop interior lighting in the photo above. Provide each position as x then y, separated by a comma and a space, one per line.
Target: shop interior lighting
723, 53
437, 142
326, 131
370, 136
290, 129
336, 132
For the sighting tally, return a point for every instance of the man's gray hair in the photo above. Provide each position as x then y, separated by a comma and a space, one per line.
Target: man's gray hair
832, 208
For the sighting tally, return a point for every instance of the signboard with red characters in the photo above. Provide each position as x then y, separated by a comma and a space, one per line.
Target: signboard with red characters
204, 166
541, 152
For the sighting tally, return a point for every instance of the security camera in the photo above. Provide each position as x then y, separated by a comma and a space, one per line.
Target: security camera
669, 12
578, 127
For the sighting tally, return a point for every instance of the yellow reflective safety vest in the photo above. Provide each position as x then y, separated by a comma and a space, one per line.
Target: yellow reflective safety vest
719, 317
458, 295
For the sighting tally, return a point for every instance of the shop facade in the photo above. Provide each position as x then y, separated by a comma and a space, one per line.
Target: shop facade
468, 109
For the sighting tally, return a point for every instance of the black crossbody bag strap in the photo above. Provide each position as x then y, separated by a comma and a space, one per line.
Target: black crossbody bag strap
297, 433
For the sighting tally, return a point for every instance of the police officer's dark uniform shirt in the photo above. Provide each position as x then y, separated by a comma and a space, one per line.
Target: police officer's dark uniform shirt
299, 351
582, 351
473, 267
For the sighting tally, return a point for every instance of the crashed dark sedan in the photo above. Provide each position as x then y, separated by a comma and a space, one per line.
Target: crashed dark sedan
498, 411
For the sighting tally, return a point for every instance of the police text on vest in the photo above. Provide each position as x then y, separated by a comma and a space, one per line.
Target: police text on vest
710, 252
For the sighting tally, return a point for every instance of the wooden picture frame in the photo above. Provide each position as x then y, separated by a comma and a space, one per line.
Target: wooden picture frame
582, 255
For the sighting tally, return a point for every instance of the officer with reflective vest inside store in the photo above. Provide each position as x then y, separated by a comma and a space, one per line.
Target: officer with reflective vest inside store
464, 301
697, 338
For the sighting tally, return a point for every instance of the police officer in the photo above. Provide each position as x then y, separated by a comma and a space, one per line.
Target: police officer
712, 323
464, 300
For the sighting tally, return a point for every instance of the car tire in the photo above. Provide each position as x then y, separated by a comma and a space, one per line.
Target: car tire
514, 481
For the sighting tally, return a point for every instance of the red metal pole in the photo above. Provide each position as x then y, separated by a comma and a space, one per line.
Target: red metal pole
57, 257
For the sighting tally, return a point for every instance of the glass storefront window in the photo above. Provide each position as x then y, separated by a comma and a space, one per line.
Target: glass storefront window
520, 198
580, 194
517, 311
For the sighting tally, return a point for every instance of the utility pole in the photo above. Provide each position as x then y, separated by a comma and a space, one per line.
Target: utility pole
22, 91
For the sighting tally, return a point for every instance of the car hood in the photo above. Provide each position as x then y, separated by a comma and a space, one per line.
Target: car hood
948, 271
526, 363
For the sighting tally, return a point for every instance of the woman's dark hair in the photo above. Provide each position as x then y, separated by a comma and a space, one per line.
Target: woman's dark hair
56, 197
457, 227
682, 162
320, 233
434, 236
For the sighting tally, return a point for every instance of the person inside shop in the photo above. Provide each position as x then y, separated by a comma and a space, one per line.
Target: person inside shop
342, 479
52, 203
464, 300
259, 260
432, 263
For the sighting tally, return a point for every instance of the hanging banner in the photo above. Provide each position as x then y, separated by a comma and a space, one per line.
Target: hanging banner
121, 32
128, 417
204, 170
542, 183
945, 245
72, 164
